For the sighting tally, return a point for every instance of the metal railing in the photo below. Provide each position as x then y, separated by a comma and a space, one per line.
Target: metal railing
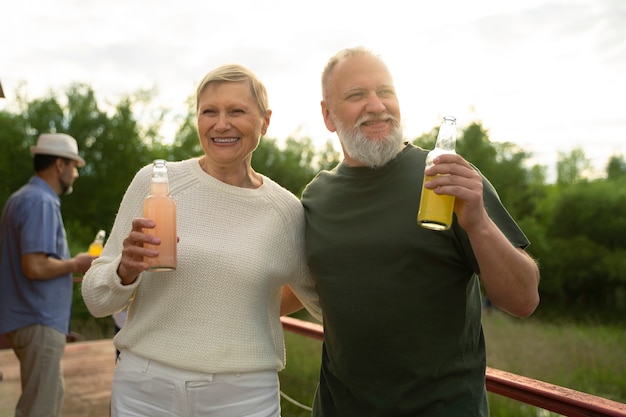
564, 401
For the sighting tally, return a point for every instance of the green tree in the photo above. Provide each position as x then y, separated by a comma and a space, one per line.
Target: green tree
474, 145
427, 139
186, 142
17, 165
572, 167
592, 209
114, 151
586, 238
295, 165
616, 167
114, 147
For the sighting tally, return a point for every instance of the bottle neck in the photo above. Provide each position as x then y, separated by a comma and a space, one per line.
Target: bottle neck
446, 139
159, 188
445, 147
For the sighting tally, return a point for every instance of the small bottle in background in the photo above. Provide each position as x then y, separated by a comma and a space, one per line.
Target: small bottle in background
160, 207
435, 211
95, 248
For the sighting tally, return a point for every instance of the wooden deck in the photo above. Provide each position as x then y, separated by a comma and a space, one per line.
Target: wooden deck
88, 370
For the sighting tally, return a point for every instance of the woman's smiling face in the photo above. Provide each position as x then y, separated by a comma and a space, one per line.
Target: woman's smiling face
230, 123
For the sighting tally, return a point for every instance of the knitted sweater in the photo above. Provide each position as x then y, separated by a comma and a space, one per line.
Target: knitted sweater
219, 311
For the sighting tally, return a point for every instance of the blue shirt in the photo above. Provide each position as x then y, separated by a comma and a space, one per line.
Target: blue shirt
32, 223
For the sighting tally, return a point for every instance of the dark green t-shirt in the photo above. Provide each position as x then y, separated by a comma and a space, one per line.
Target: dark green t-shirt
401, 304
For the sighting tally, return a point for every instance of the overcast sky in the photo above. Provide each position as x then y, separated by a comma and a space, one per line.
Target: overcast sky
547, 75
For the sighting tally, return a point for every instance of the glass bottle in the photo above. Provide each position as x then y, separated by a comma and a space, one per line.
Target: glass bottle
95, 248
435, 210
160, 207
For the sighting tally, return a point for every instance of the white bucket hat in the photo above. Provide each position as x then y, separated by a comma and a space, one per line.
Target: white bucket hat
57, 144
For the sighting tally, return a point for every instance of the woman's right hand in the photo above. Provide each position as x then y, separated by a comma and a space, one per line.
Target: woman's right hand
133, 252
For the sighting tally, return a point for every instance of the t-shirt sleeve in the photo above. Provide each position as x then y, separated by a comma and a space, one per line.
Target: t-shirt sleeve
500, 216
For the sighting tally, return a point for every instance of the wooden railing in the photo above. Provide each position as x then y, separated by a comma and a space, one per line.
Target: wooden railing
540, 394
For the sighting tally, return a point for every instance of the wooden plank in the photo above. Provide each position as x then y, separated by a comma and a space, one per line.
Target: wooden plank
565, 401
303, 327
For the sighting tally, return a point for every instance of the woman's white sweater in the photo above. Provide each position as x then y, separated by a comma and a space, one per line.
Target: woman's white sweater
219, 311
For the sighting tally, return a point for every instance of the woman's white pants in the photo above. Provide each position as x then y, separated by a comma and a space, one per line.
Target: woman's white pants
146, 388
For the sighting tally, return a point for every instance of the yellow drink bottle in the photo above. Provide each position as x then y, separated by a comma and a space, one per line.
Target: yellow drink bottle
435, 210
95, 248
160, 207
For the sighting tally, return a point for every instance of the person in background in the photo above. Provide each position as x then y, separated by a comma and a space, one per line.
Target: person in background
206, 339
402, 304
36, 280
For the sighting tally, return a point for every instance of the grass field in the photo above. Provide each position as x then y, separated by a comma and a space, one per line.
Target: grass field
585, 357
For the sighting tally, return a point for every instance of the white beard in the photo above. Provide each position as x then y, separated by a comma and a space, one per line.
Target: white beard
372, 153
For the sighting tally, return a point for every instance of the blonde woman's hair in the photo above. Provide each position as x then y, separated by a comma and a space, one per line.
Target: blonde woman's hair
236, 73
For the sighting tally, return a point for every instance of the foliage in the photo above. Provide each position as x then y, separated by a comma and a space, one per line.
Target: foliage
586, 231
571, 168
577, 225
294, 166
17, 165
616, 168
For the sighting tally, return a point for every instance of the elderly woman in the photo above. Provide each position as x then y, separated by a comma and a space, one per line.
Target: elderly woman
206, 338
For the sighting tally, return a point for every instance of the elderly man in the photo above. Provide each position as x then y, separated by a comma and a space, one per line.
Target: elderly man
401, 304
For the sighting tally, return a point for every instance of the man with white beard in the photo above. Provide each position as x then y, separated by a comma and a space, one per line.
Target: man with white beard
402, 304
